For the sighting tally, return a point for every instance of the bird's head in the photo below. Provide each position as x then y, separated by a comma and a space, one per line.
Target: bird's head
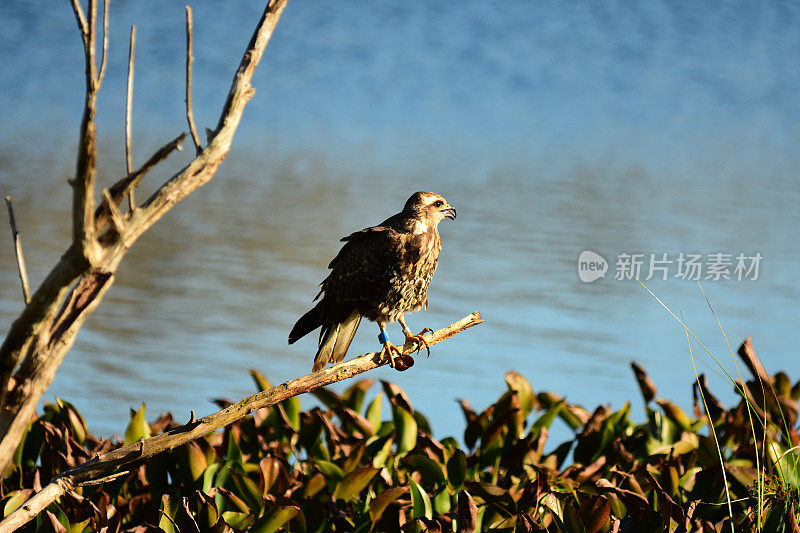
429, 206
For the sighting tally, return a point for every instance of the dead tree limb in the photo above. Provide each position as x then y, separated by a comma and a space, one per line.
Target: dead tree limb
40, 337
128, 111
21, 269
101, 468
189, 115
83, 231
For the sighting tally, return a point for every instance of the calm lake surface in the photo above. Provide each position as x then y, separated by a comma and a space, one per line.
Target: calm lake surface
651, 127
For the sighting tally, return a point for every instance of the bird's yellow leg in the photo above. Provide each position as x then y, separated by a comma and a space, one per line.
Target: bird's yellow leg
393, 352
418, 340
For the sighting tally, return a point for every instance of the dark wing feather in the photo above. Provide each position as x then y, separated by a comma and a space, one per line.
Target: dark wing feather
360, 278
361, 271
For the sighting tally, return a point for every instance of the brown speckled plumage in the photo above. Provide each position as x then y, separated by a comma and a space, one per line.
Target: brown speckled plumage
380, 273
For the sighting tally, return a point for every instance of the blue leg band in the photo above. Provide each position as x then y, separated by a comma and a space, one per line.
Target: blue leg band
383, 338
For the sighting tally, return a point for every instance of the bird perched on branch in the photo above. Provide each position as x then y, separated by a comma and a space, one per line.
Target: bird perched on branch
381, 273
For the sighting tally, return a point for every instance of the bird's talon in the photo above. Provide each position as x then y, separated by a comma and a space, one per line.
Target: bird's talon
394, 353
419, 341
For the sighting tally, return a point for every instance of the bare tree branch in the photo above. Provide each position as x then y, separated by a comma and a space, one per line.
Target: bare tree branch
23, 272
100, 468
83, 235
41, 336
241, 90
126, 185
189, 115
91, 45
81, 19
102, 73
202, 169
128, 110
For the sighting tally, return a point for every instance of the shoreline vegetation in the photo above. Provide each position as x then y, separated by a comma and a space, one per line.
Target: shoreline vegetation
367, 461
363, 461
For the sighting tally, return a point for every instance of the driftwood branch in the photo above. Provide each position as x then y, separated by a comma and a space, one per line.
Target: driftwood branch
45, 331
23, 272
128, 111
101, 468
189, 115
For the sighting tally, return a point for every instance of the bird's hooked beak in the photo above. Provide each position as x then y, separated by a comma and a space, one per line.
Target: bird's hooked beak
449, 212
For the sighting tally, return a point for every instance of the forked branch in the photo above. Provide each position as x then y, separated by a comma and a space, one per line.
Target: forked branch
43, 333
102, 468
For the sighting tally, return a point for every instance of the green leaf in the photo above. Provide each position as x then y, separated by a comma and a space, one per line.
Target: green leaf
228, 501
354, 482
76, 422
380, 502
555, 505
291, 407
248, 491
209, 477
207, 513
675, 413
517, 383
315, 484
234, 453
687, 443
406, 430
262, 383
441, 502
138, 428
353, 419
549, 416
194, 459
382, 454
422, 423
374, 411
354, 395
420, 502
275, 518
330, 470
457, 469
611, 427
80, 527
429, 468
784, 463
329, 399
169, 510
238, 520
61, 517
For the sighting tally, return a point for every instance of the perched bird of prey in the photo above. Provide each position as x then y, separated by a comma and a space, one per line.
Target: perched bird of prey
381, 273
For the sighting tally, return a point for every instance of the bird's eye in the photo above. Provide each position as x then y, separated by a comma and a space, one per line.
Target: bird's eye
438, 203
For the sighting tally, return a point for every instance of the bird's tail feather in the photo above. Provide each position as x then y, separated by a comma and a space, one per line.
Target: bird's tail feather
307, 323
335, 341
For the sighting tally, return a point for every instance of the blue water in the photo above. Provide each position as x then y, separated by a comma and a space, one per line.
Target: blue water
651, 127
